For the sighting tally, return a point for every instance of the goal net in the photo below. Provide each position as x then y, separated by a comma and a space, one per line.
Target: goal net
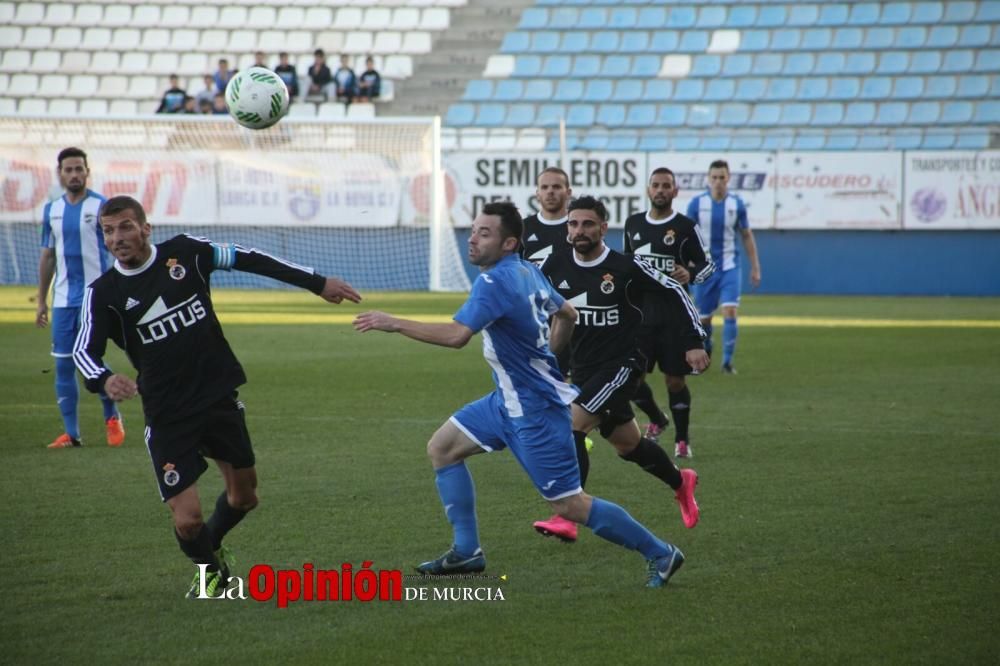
359, 200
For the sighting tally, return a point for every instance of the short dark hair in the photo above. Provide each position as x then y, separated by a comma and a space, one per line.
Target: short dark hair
283, 54
510, 218
71, 152
554, 169
660, 170
719, 164
589, 203
121, 204
319, 52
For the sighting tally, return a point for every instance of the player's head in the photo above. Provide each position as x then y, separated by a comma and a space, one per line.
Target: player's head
496, 232
553, 191
126, 231
662, 188
718, 178
587, 225
73, 170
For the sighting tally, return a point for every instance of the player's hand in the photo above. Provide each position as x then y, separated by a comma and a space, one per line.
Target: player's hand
335, 291
120, 387
755, 277
698, 359
373, 320
681, 274
42, 315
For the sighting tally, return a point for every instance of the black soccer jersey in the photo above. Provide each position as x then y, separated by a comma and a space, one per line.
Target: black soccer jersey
667, 243
541, 237
608, 293
161, 315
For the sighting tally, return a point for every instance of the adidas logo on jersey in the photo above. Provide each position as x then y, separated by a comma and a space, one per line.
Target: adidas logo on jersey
564, 285
131, 303
637, 236
532, 237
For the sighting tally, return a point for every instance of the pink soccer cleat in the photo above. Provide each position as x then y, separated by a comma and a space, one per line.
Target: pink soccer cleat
559, 527
682, 450
685, 498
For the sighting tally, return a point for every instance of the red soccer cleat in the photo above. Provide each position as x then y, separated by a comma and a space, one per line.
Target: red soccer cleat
116, 431
558, 527
685, 498
64, 441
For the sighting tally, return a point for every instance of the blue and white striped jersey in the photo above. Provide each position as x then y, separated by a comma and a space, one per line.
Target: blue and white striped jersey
74, 232
720, 224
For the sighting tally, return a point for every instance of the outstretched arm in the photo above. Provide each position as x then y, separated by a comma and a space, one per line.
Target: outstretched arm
452, 334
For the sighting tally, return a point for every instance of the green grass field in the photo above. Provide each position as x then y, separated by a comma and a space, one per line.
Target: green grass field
848, 494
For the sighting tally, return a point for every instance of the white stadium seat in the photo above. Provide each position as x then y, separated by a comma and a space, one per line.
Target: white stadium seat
401, 67
290, 18
300, 41
212, 41
724, 41
361, 111
262, 18
62, 107
176, 16
96, 39
94, 107
193, 64
123, 107
144, 87
113, 87
125, 39
45, 61
377, 18
66, 39
204, 17
135, 62
416, 42
243, 41
83, 85
155, 40
387, 42
317, 18
104, 62
75, 62
435, 18
244, 61
88, 15
117, 16
499, 67
146, 16
359, 41
388, 92
302, 110
8, 106
37, 38
10, 36
15, 61
29, 13
405, 18
6, 12
332, 110
53, 85
349, 18
58, 14
675, 66
330, 41
164, 63
272, 41
184, 40
22, 85
232, 18
32, 107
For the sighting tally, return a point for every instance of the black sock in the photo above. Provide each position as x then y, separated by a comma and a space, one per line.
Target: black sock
653, 459
582, 456
680, 408
199, 550
224, 519
645, 401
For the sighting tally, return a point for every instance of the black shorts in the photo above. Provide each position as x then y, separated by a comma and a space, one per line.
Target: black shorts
608, 392
178, 450
662, 346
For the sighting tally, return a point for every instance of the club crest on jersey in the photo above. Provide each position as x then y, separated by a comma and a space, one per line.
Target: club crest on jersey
608, 283
171, 476
175, 270
668, 238
89, 218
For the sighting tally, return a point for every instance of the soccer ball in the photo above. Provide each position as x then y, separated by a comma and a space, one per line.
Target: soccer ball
257, 97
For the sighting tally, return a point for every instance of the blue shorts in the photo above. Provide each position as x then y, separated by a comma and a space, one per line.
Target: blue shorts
724, 285
541, 441
65, 325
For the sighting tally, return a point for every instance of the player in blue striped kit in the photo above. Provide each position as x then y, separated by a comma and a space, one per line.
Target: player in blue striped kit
73, 253
720, 217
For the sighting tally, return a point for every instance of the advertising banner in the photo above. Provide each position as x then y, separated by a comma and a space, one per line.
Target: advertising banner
952, 190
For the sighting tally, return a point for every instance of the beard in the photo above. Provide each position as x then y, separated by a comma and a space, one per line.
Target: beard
584, 245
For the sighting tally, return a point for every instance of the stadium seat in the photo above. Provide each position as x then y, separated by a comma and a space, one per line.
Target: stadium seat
508, 91
595, 139
830, 64
556, 66
893, 62
989, 12
45, 61
681, 17
594, 17
941, 87
653, 142
574, 42
32, 106
720, 90
781, 89
520, 115
348, 18
942, 37
873, 142
706, 65
658, 90
925, 62
924, 113
750, 89
538, 90
580, 115
548, 115
865, 13
737, 65
879, 38
671, 115
895, 13
972, 140
531, 140
664, 41
796, 113
435, 19
460, 115
859, 63
675, 66
908, 87
616, 66
478, 90
562, 18
755, 40
786, 39
634, 41
645, 66
768, 64
22, 85
814, 88
640, 115
974, 86
694, 41
143, 87
938, 140
724, 41
105, 62
527, 66
135, 63
803, 15
833, 15
689, 90
568, 90
742, 16
123, 107
308, 110
62, 107
817, 39
765, 115
906, 139
75, 62
841, 141
192, 64
780, 141
96, 39
586, 66
598, 90
627, 90
416, 43
611, 115
810, 141
715, 143
876, 87
745, 142
974, 36
623, 18
93, 107
113, 87
363, 41
164, 64
544, 41
892, 113
799, 64
927, 12
232, 17
734, 115
175, 16
155, 40
954, 113
960, 12
771, 16
711, 17
995, 87
847, 39
622, 141
987, 60
500, 67
911, 37
36, 38
534, 18
56, 15
828, 114
605, 41
687, 142
859, 113
957, 62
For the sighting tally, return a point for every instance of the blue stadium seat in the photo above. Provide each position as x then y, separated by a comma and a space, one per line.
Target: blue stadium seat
737, 64
809, 142
781, 89
892, 113
972, 140
651, 17
681, 17
689, 90
973, 86
616, 66
987, 60
781, 141
803, 15
653, 142
520, 115
796, 113
846, 39
989, 12
750, 89
879, 38
859, 113
716, 143
665, 41
786, 40
556, 66
960, 12
537, 90
873, 142
553, 144
693, 41
460, 115
568, 90
859, 63
623, 141
896, 13
799, 64
478, 90
745, 142
741, 16
924, 113
533, 18
515, 42
771, 16
623, 18
908, 87
841, 141
711, 17
814, 88
595, 139
975, 36
574, 41
605, 41
911, 37
706, 65
611, 115
995, 86
938, 140
755, 40
876, 87
702, 115
527, 66
956, 113
767, 64
957, 62
580, 115
828, 114
925, 62
687, 142
672, 115
906, 139
509, 90
490, 115
548, 115
645, 66
833, 15
628, 90
634, 41
586, 66
720, 90
598, 90
893, 62
817, 39
592, 18
942, 36
734, 115
562, 18
641, 115
927, 12
845, 88
765, 115
545, 41
831, 63
658, 90
865, 13
941, 87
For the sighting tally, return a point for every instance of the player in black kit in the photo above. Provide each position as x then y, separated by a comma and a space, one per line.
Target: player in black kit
607, 289
669, 241
155, 303
545, 231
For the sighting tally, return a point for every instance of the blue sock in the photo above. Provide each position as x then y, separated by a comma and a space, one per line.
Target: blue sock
67, 395
458, 495
613, 523
110, 408
728, 340
708, 336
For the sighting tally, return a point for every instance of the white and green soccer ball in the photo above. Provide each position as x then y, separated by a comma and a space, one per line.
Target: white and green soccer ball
257, 97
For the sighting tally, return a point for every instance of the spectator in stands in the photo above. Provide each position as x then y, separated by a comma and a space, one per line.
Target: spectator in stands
223, 75
219, 104
319, 74
288, 74
260, 60
370, 83
173, 99
205, 107
347, 81
208, 94
190, 107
